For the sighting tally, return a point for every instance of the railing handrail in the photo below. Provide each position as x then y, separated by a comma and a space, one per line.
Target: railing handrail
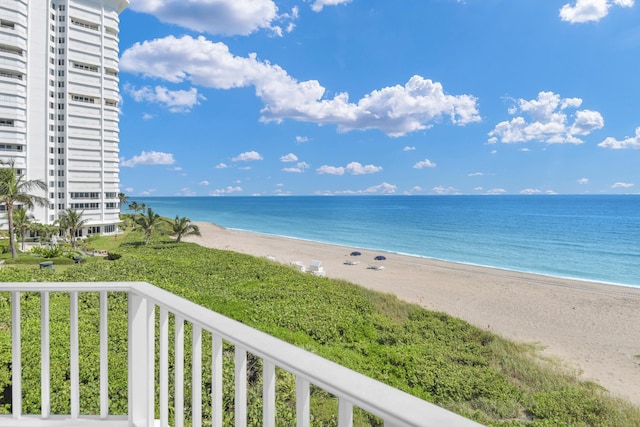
391, 404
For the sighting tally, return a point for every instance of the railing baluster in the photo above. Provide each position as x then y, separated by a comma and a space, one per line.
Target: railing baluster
268, 394
216, 380
104, 355
151, 359
164, 367
196, 376
179, 372
45, 359
303, 407
74, 355
241, 386
138, 381
16, 357
345, 413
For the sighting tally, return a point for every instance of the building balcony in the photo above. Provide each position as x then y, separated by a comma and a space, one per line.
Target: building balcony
156, 363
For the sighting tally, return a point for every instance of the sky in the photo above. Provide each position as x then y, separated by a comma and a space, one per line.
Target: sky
379, 97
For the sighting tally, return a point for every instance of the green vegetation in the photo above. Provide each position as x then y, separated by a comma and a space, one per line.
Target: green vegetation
431, 355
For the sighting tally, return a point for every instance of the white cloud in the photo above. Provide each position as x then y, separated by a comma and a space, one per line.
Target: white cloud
148, 116
128, 190
426, 163
622, 185
319, 4
395, 110
248, 156
148, 158
407, 148
583, 181
205, 182
186, 192
301, 139
530, 191
176, 101
384, 188
222, 166
440, 190
548, 121
354, 168
289, 158
416, 188
497, 191
330, 170
226, 17
476, 174
228, 190
628, 142
299, 168
590, 10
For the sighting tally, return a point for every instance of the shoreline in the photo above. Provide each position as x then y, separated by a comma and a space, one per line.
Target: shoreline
590, 326
404, 254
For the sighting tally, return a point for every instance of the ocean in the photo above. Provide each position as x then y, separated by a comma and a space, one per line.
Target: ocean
588, 237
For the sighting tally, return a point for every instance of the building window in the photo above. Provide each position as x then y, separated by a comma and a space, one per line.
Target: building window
7, 122
60, 206
10, 49
61, 140
86, 67
60, 195
60, 162
60, 173
10, 74
7, 24
80, 98
85, 24
60, 184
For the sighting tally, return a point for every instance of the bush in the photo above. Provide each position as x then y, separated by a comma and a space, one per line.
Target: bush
112, 256
48, 252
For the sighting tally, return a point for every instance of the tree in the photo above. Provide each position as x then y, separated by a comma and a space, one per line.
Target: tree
22, 223
15, 190
72, 220
135, 207
181, 227
149, 223
123, 199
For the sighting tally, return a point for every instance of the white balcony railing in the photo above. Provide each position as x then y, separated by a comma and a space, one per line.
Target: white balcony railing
393, 406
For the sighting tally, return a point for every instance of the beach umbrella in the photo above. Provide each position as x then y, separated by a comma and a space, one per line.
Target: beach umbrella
355, 253
380, 258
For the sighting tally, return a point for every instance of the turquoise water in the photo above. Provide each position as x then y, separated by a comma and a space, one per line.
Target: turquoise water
593, 238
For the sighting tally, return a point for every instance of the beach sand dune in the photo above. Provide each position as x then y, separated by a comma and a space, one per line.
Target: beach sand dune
593, 328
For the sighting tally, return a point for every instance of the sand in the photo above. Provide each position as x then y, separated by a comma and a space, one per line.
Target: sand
592, 328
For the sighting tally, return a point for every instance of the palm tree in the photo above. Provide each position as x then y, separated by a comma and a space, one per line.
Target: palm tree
16, 190
149, 223
72, 220
123, 199
22, 223
135, 207
181, 227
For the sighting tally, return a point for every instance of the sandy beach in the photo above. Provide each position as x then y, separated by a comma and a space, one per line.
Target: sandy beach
593, 328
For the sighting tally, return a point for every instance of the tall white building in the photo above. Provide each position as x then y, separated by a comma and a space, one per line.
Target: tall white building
59, 103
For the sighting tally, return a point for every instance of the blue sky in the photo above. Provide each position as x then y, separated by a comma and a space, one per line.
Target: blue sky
332, 97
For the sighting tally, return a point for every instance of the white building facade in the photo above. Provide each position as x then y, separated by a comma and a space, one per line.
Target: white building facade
59, 103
